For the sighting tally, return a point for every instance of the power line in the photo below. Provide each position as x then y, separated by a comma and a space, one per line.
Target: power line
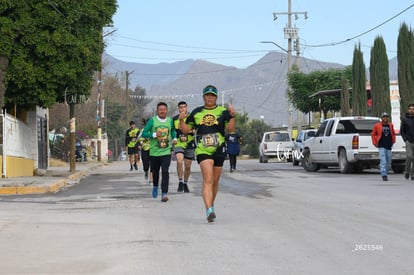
192, 94
212, 71
190, 47
181, 51
363, 33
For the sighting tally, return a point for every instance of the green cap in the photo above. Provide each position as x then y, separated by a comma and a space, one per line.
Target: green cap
210, 89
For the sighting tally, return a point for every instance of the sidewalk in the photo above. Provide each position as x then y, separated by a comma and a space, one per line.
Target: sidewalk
56, 179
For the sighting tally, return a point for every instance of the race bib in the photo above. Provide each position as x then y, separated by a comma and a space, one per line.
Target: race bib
183, 138
162, 143
209, 140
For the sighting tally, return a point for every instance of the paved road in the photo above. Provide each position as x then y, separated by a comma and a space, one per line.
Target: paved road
272, 219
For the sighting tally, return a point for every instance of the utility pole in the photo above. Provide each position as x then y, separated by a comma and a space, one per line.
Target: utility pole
127, 94
72, 137
290, 34
298, 113
99, 114
99, 104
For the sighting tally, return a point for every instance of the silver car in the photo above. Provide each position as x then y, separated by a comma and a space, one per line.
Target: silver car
298, 144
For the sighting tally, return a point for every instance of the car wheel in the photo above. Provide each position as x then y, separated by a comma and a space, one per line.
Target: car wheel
262, 159
295, 162
307, 163
344, 166
397, 169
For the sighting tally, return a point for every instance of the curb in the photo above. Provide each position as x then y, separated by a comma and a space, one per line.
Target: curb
42, 188
33, 189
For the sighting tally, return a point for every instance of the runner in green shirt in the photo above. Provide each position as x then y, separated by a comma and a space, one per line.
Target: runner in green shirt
210, 123
184, 151
131, 144
161, 133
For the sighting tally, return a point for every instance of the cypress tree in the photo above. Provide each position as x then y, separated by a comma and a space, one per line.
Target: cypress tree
405, 52
359, 93
380, 79
345, 110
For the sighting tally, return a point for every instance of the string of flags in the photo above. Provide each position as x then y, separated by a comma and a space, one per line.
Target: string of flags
197, 94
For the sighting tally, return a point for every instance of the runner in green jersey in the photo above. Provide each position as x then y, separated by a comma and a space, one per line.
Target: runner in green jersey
161, 133
131, 144
210, 123
184, 151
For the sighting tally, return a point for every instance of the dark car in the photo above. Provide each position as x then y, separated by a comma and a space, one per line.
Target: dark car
298, 144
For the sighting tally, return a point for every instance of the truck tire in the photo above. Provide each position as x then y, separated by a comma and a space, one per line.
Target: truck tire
344, 166
397, 169
295, 161
307, 163
263, 159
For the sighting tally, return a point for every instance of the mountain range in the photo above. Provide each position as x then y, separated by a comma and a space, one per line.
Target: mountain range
258, 90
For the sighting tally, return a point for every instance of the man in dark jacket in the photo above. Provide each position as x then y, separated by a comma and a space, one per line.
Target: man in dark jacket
233, 142
407, 133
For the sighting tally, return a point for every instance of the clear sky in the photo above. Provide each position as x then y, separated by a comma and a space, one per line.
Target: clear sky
229, 32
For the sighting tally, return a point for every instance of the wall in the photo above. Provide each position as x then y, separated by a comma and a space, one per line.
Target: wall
104, 148
20, 146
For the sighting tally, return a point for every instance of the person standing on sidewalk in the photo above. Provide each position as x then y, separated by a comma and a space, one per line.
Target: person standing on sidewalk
383, 137
183, 150
407, 133
131, 144
209, 122
233, 142
160, 131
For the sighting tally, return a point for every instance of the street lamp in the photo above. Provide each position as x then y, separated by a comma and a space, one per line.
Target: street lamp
289, 52
277, 45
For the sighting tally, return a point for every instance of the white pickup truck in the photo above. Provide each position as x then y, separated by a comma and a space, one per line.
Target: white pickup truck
276, 144
346, 142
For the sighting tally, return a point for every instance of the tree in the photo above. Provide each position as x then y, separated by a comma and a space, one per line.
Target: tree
139, 101
303, 85
405, 57
242, 128
253, 136
115, 126
380, 79
6, 44
56, 48
359, 91
345, 110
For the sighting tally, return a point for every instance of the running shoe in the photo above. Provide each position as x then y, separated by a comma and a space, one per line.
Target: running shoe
155, 192
164, 197
210, 214
180, 187
135, 166
185, 187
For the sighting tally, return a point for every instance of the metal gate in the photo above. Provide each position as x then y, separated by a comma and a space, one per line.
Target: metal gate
42, 142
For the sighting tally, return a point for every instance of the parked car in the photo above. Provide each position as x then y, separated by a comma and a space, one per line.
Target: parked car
298, 144
345, 142
275, 144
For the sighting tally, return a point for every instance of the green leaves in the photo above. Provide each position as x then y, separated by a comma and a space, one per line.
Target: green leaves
303, 85
359, 91
51, 47
379, 78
